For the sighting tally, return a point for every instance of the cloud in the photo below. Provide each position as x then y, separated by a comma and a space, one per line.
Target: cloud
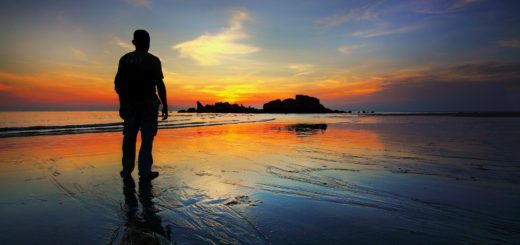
4, 87
483, 71
446, 96
122, 44
346, 49
356, 14
511, 43
302, 69
479, 86
336, 88
458, 4
444, 7
139, 3
212, 48
468, 72
383, 30
78, 54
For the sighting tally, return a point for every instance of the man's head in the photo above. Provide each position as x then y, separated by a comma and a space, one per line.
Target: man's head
141, 40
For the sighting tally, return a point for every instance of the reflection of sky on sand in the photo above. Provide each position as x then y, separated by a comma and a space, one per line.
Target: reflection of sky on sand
344, 179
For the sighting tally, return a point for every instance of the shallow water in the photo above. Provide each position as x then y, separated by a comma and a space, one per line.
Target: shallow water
19, 124
298, 179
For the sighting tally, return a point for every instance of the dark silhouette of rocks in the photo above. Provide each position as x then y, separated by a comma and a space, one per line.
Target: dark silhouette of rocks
224, 107
301, 104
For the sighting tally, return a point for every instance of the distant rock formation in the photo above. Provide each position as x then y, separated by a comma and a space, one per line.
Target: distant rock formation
224, 107
302, 104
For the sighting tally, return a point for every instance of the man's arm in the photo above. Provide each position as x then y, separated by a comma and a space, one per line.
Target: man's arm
118, 86
161, 90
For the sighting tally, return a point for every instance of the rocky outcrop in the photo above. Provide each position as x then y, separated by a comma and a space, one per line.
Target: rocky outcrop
301, 104
225, 107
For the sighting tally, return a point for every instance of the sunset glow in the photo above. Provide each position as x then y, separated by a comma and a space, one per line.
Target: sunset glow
388, 56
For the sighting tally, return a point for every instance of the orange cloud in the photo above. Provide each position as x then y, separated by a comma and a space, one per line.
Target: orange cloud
3, 87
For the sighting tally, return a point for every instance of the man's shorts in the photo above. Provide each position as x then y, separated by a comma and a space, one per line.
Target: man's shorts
141, 116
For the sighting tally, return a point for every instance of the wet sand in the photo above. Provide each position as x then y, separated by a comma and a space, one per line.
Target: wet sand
293, 180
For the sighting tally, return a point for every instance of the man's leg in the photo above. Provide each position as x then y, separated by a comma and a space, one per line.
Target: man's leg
131, 128
148, 131
145, 153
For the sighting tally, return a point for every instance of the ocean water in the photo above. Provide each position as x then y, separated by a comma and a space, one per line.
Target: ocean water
16, 124
263, 179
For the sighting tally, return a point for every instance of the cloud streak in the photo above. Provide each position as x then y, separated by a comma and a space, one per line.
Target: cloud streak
121, 44
478, 86
441, 7
510, 43
347, 49
212, 48
357, 14
78, 54
302, 69
139, 3
384, 30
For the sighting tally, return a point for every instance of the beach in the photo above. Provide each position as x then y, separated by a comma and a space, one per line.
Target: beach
265, 179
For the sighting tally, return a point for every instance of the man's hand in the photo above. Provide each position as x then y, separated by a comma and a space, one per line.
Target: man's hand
161, 90
164, 112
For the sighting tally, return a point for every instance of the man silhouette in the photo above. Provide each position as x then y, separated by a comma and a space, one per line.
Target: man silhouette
138, 74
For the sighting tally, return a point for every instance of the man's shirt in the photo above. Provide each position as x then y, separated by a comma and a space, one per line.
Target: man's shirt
137, 76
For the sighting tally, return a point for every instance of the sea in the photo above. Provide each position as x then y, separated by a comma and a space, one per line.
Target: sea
263, 179
16, 124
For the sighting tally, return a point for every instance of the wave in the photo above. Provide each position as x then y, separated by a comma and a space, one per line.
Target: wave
108, 127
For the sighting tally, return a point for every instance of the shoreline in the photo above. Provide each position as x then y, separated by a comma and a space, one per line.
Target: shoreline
456, 114
202, 119
459, 114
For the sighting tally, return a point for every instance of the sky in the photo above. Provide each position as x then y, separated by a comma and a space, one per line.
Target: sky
422, 55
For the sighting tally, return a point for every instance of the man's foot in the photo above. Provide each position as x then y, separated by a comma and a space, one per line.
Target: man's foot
125, 175
149, 176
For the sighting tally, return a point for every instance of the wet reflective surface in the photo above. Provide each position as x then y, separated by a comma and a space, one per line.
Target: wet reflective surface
300, 179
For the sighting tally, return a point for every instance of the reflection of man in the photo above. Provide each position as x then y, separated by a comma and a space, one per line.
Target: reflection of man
145, 227
138, 75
